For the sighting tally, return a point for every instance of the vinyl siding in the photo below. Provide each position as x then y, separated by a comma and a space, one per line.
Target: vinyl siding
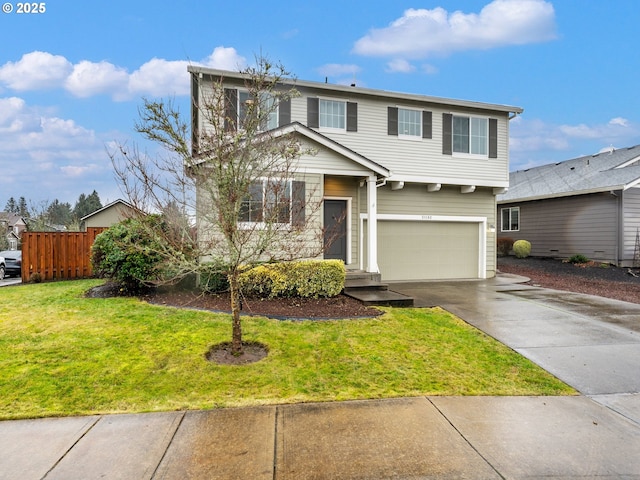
411, 158
415, 200
631, 219
562, 227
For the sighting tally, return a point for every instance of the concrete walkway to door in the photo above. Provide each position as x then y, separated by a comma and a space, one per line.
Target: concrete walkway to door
591, 343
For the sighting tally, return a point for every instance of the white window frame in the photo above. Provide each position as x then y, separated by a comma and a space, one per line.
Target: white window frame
408, 136
509, 210
469, 136
325, 101
265, 204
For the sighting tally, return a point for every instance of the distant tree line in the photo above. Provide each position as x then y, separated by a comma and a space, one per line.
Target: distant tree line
55, 214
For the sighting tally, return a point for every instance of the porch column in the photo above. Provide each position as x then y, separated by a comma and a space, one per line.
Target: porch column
372, 225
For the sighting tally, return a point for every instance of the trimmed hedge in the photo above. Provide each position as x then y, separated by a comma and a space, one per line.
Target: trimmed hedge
307, 278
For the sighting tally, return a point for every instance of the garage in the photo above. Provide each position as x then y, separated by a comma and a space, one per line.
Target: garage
429, 249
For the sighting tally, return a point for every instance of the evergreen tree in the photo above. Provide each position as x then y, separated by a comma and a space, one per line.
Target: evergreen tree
12, 206
23, 209
86, 204
59, 213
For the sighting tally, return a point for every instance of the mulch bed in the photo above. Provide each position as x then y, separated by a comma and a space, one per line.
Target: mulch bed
337, 307
592, 278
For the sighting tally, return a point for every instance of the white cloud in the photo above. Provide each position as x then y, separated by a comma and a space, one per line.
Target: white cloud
89, 79
157, 77
400, 65
422, 33
36, 71
338, 69
535, 142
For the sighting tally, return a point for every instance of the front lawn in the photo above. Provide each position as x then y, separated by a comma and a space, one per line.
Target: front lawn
63, 354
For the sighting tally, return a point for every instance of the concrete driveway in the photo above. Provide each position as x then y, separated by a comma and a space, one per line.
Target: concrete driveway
591, 343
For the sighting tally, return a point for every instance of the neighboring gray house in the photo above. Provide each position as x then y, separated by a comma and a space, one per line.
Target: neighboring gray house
109, 215
414, 176
588, 205
13, 225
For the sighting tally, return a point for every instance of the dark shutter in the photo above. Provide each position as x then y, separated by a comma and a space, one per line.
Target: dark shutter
392, 121
427, 124
298, 203
447, 126
195, 124
493, 138
284, 112
352, 117
313, 112
230, 109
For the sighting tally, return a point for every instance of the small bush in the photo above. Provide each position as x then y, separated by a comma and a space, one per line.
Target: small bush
522, 248
128, 252
308, 278
504, 246
578, 258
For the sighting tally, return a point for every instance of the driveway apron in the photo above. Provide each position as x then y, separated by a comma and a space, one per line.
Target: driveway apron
591, 343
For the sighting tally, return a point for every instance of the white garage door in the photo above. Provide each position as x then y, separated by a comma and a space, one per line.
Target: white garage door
413, 250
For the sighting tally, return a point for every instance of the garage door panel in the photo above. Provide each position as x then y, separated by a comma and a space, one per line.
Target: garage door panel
412, 250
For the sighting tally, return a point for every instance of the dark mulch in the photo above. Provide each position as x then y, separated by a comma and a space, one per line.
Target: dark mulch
337, 307
591, 278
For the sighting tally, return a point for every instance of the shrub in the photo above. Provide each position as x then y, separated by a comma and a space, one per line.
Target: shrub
213, 277
522, 248
128, 252
505, 244
308, 278
578, 258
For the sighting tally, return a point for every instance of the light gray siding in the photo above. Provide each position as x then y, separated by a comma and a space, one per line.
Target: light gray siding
562, 227
631, 222
420, 158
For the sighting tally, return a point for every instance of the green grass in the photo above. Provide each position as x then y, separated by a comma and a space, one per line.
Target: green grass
63, 354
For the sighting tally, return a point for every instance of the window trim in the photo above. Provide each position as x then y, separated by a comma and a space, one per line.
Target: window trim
469, 137
447, 136
406, 136
509, 211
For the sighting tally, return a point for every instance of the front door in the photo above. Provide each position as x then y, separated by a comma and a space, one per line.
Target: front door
335, 230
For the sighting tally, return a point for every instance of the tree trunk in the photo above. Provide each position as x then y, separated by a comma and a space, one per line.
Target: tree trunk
236, 336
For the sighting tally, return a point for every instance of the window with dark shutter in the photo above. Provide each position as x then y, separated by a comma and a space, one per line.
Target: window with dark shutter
427, 124
230, 109
298, 204
352, 117
313, 112
447, 121
493, 138
392, 121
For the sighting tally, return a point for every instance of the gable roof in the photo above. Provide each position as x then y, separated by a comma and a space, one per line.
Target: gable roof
615, 169
106, 207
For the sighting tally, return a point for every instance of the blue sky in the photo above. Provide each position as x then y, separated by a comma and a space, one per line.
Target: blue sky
72, 77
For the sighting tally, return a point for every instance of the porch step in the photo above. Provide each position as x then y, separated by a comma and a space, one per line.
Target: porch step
368, 288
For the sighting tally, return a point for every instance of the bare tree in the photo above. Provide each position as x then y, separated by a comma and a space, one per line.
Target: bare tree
240, 181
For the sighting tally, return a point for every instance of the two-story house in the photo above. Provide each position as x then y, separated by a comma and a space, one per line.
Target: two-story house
415, 177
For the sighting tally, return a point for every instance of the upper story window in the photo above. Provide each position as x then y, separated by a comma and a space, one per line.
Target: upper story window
336, 115
510, 219
467, 135
409, 123
470, 135
239, 104
332, 114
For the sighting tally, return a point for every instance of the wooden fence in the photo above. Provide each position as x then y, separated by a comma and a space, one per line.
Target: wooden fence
58, 255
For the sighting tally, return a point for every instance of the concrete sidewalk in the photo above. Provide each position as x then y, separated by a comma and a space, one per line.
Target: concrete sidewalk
423, 437
591, 343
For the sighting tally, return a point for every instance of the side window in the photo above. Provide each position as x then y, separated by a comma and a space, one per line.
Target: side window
239, 104
510, 219
274, 201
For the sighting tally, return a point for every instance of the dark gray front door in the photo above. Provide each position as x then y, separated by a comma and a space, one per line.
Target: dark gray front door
335, 230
